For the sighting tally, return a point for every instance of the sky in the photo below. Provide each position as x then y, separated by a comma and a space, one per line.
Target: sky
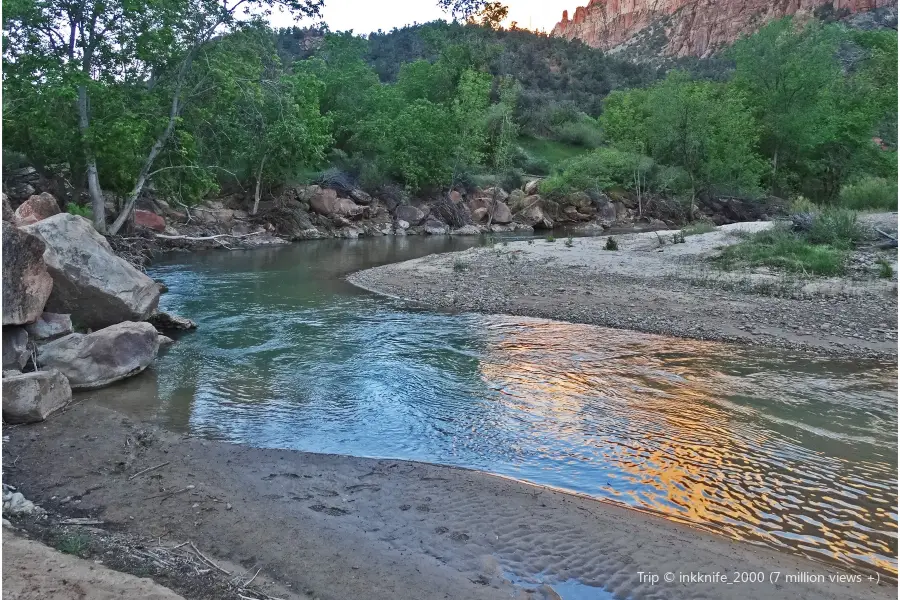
364, 16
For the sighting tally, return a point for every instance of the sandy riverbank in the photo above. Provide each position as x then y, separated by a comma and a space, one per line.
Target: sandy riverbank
670, 289
334, 527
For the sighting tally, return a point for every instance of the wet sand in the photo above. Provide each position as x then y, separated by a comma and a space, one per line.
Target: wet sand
336, 527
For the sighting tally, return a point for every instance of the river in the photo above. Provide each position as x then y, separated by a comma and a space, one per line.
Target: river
793, 451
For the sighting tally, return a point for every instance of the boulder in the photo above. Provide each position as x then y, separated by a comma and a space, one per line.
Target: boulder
580, 201
401, 224
31, 397
532, 186
502, 214
9, 214
435, 227
164, 341
35, 209
621, 211
50, 326
27, 284
15, 348
479, 215
535, 217
410, 214
326, 203
455, 197
467, 230
149, 220
98, 359
516, 200
360, 197
607, 212
166, 322
91, 283
495, 193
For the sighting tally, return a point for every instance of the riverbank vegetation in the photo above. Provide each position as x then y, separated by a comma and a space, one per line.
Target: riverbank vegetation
207, 101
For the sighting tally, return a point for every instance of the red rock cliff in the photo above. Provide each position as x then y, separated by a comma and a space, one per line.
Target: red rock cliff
692, 27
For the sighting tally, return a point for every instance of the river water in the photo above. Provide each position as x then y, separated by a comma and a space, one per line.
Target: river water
793, 451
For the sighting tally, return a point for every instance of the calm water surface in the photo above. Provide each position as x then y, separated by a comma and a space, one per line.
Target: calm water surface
788, 450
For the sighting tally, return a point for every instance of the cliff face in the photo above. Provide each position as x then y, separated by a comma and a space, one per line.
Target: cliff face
691, 27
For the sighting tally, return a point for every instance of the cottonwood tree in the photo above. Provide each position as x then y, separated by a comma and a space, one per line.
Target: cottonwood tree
81, 48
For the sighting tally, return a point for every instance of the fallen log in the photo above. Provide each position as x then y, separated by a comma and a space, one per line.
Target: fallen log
205, 238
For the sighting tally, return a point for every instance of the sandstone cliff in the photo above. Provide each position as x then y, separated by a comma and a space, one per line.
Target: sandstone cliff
688, 27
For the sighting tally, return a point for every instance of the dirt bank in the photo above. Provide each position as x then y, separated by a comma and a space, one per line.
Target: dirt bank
655, 286
334, 527
32, 571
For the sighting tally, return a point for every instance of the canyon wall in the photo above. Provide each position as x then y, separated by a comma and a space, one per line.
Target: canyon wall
690, 27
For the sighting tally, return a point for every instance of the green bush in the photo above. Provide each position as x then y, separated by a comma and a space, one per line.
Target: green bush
611, 244
81, 211
584, 132
600, 170
870, 193
835, 227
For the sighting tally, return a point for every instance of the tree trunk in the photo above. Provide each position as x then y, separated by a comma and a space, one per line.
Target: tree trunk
98, 207
258, 185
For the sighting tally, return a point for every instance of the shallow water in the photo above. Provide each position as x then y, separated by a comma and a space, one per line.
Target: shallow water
793, 451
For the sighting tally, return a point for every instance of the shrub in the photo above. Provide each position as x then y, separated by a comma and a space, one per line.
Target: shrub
679, 237
671, 180
512, 179
611, 244
81, 211
584, 132
600, 170
837, 228
460, 265
885, 270
870, 192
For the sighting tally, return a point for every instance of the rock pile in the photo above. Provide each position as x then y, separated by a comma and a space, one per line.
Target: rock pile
60, 275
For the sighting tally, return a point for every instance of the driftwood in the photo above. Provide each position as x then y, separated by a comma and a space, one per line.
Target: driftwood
891, 240
205, 238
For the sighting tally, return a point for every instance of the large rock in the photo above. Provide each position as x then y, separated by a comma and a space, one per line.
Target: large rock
16, 351
9, 214
91, 283
502, 214
435, 227
535, 216
31, 397
26, 282
50, 326
98, 359
410, 214
165, 322
326, 203
35, 209
532, 186
149, 220
479, 215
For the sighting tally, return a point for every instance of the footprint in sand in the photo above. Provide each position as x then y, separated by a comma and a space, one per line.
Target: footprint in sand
329, 510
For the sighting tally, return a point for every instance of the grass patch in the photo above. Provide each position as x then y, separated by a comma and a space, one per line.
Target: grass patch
885, 270
73, 543
460, 265
781, 248
550, 238
611, 244
698, 228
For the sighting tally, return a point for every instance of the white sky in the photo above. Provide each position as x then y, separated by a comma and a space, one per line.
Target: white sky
364, 16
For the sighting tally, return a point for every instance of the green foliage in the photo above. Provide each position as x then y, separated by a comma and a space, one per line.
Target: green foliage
81, 211
835, 227
679, 237
598, 171
874, 193
885, 269
611, 244
550, 238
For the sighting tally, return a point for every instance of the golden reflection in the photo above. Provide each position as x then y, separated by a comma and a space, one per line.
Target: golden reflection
669, 430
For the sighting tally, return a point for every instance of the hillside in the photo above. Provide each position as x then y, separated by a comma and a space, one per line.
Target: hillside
647, 28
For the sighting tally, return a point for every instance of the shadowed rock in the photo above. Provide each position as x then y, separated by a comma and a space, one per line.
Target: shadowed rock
30, 397
91, 283
98, 359
26, 282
